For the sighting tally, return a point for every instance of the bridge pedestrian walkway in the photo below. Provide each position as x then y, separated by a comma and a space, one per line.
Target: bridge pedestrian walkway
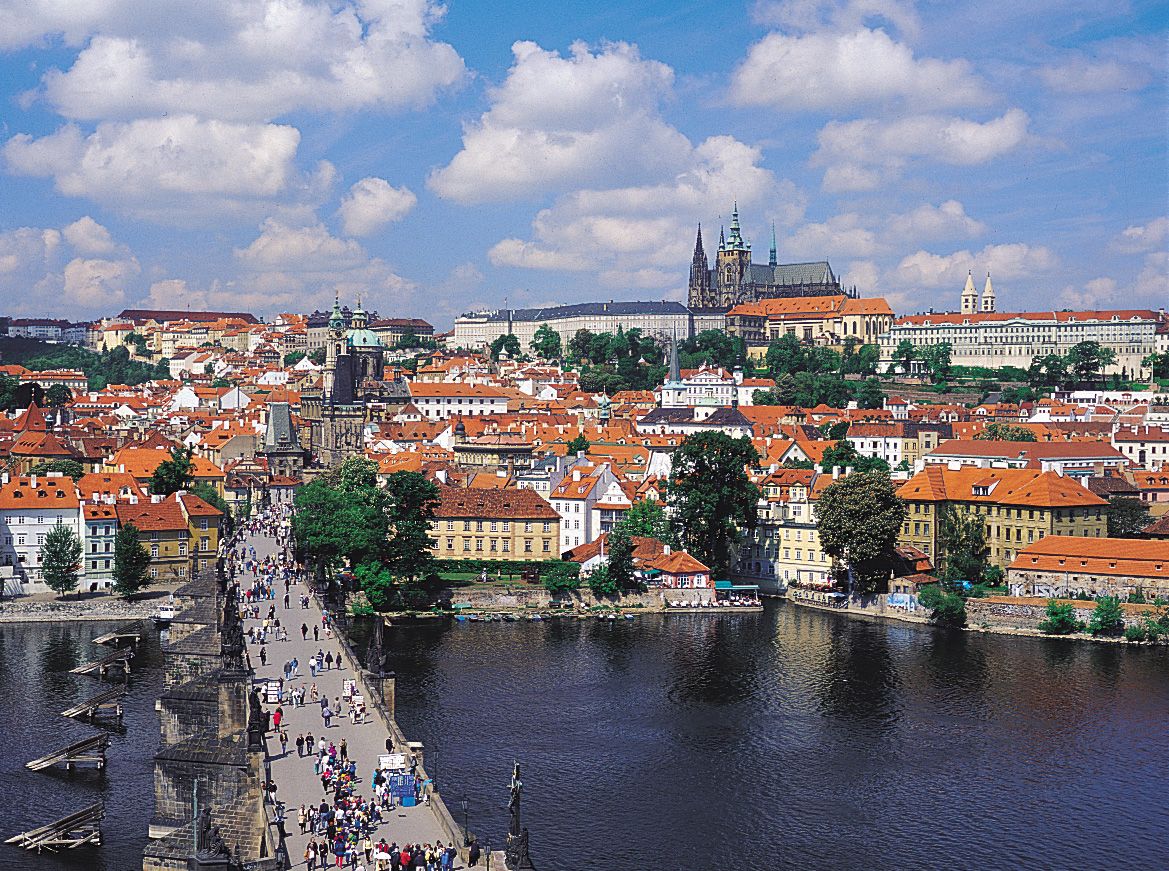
296, 782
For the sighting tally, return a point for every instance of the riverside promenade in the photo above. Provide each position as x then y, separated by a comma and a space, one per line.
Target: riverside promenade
294, 776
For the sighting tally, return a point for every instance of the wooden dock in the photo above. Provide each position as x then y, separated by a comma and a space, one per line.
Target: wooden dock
130, 633
105, 706
117, 659
87, 751
77, 829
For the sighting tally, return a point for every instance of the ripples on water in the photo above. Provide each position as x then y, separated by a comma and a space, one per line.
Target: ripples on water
793, 739
35, 686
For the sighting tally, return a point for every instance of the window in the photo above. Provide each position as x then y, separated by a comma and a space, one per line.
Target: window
507, 526
202, 522
547, 526
494, 526
450, 526
527, 526
492, 545
506, 545
466, 545
547, 545
204, 543
527, 545
106, 564
479, 544
478, 525
154, 551
182, 548
153, 572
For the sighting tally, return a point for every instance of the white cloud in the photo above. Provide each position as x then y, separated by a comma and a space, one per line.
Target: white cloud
87, 236
308, 248
928, 222
558, 122
1010, 261
257, 61
838, 15
642, 236
97, 285
372, 203
1152, 285
839, 236
834, 70
29, 22
1097, 293
1139, 238
862, 154
158, 158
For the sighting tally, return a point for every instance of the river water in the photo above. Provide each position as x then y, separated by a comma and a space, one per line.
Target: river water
794, 738
35, 686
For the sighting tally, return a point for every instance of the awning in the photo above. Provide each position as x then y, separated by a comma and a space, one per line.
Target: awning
727, 585
461, 606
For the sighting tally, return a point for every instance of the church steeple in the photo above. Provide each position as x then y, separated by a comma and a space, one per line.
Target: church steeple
773, 254
735, 242
722, 241
988, 300
336, 321
969, 295
699, 292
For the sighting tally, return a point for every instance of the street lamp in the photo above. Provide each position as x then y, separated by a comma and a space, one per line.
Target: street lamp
434, 775
466, 826
488, 856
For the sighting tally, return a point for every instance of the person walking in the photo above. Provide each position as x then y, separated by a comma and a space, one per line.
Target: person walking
316, 633
304, 631
300, 752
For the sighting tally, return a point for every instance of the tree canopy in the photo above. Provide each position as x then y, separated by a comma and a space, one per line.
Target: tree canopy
712, 497
131, 561
647, 519
859, 518
174, 474
61, 559
963, 551
1005, 432
844, 455
72, 468
545, 343
1127, 517
506, 344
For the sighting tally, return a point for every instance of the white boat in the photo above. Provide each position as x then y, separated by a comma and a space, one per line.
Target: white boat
166, 613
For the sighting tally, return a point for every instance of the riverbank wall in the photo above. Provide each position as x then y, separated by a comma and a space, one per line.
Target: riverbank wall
71, 610
522, 598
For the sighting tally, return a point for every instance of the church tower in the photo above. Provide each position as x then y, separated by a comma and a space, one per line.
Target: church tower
773, 254
969, 296
699, 295
733, 264
988, 296
334, 343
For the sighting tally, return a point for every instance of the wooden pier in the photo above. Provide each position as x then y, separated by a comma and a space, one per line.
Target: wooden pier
118, 659
105, 706
87, 751
69, 833
130, 633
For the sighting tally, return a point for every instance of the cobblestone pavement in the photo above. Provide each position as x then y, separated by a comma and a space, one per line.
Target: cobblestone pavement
296, 782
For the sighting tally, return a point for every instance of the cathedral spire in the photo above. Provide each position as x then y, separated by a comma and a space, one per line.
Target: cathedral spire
773, 254
698, 252
722, 242
336, 322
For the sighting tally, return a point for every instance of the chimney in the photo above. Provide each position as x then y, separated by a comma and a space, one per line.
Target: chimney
835, 472
666, 550
32, 481
575, 474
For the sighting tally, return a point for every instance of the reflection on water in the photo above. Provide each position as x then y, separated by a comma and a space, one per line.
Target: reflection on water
792, 738
36, 686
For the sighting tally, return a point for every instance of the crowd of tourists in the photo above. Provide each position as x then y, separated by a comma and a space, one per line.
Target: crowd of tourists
342, 829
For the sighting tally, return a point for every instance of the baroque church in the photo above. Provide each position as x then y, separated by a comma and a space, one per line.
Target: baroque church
735, 279
353, 389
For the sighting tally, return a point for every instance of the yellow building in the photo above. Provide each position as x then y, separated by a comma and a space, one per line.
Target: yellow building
494, 524
181, 532
819, 320
1019, 507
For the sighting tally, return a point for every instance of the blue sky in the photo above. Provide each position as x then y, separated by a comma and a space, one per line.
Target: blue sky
434, 159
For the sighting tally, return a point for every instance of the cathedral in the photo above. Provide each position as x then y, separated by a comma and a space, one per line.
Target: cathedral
353, 389
735, 279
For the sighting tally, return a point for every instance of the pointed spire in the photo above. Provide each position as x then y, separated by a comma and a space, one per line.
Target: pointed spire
675, 369
722, 241
735, 242
698, 252
988, 290
969, 286
773, 254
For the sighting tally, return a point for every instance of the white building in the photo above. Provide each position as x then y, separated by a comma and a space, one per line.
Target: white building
574, 499
1146, 447
30, 508
478, 330
445, 399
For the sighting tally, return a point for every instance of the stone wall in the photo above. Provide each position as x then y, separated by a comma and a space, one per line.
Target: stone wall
1040, 583
522, 596
1011, 612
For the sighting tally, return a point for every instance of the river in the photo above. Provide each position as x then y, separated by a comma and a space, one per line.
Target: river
793, 738
35, 686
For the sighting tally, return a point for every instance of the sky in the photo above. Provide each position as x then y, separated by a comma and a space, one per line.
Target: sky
266, 155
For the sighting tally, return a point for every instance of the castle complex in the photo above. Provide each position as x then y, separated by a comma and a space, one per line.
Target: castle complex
735, 279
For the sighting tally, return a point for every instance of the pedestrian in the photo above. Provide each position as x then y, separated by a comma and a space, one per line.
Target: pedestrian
277, 716
316, 633
329, 660
338, 659
300, 752
473, 854
327, 714
263, 655
304, 631
283, 743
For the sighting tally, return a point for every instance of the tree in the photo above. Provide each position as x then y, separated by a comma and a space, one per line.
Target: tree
1127, 518
712, 497
1060, 619
785, 356
61, 559
869, 394
962, 539
333, 524
863, 362
317, 357
1088, 359
506, 344
71, 468
580, 344
409, 504
8, 388
647, 519
131, 562
766, 397
174, 474
905, 354
1108, 618
578, 445
946, 608
844, 455
859, 518
293, 357
1158, 365
937, 360
600, 582
562, 578
1049, 370
58, 396
545, 343
1005, 432
621, 561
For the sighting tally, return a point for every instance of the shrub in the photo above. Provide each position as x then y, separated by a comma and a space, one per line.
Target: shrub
1061, 619
946, 609
1135, 632
1108, 618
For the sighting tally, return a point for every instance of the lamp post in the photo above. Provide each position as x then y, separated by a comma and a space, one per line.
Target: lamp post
466, 826
488, 856
434, 775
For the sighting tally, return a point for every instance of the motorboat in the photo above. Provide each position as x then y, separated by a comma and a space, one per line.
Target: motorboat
166, 613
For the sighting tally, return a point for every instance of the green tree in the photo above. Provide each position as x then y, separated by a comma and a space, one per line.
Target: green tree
174, 474
905, 354
869, 394
647, 519
377, 582
946, 608
1049, 370
71, 468
712, 497
506, 344
131, 562
1157, 364
8, 388
545, 343
409, 504
564, 577
859, 518
962, 539
601, 583
332, 525
1005, 432
1016, 395
293, 357
844, 455
139, 342
1127, 518
61, 559
621, 561
863, 362
578, 445
580, 345
1108, 617
58, 396
766, 397
317, 357
1060, 619
785, 356
937, 360
1088, 359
